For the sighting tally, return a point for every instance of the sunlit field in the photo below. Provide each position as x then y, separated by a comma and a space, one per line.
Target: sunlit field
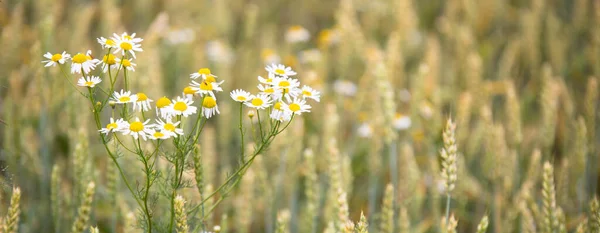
306, 116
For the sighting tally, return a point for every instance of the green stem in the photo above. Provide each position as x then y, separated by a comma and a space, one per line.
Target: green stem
69, 80
447, 208
148, 171
241, 134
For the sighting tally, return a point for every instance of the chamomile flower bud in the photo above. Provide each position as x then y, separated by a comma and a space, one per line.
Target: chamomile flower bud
142, 102
260, 101
127, 43
169, 127
280, 70
182, 106
251, 114
308, 92
202, 73
138, 129
240, 95
112, 103
124, 97
269, 56
114, 126
58, 58
296, 34
107, 43
89, 81
209, 107
83, 61
297, 107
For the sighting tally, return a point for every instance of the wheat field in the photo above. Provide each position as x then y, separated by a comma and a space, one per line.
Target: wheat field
384, 116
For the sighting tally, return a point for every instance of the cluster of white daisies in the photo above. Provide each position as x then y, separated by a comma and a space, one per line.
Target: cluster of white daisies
279, 93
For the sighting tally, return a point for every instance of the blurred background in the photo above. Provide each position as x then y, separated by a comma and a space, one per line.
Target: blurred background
519, 77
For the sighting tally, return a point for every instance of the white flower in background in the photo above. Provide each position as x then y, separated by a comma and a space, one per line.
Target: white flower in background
426, 110
308, 92
296, 34
344, 87
83, 61
138, 129
240, 95
202, 72
269, 56
217, 51
59, 58
280, 70
297, 107
169, 127
260, 101
182, 106
209, 107
114, 126
89, 81
364, 130
142, 102
310, 56
181, 36
124, 97
127, 43
401, 122
107, 43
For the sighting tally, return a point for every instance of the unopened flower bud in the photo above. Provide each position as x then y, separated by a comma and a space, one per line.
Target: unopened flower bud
112, 104
251, 113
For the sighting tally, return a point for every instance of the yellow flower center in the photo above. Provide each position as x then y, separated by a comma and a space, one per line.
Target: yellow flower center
110, 42
296, 28
109, 59
56, 57
169, 127
141, 97
127, 37
124, 99
180, 106
306, 93
209, 102
284, 84
89, 84
111, 126
80, 58
163, 102
257, 102
205, 71
206, 86
294, 107
136, 126
267, 53
126, 46
126, 62
280, 72
278, 106
241, 98
158, 135
269, 90
210, 78
188, 90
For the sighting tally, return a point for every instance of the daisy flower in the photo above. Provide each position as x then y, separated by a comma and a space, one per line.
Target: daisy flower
169, 127
279, 113
106, 43
142, 102
124, 97
126, 43
127, 64
138, 129
83, 61
210, 78
269, 56
109, 61
288, 86
182, 106
344, 87
89, 81
280, 70
59, 58
270, 80
270, 91
209, 107
157, 134
114, 126
401, 122
296, 34
202, 72
308, 92
162, 109
297, 107
205, 87
365, 130
189, 92
240, 95
260, 101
